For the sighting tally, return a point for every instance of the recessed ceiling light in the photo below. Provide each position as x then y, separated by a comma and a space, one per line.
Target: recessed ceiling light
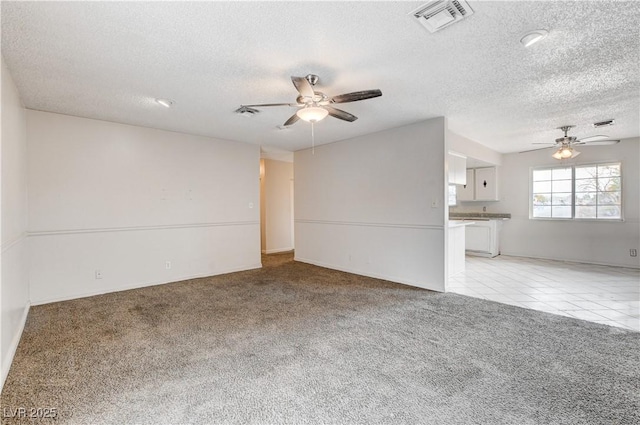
533, 37
167, 103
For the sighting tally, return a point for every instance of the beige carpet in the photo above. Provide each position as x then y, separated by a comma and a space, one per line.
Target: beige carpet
297, 344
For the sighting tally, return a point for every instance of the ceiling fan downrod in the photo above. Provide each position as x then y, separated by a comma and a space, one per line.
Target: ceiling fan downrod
566, 129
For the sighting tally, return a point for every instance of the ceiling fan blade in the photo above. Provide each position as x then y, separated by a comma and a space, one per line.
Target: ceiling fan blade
292, 120
598, 142
544, 143
340, 114
539, 149
356, 95
303, 87
593, 138
271, 104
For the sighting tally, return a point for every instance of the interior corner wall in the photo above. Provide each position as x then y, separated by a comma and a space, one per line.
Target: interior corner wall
472, 149
278, 176
375, 205
596, 242
114, 206
14, 285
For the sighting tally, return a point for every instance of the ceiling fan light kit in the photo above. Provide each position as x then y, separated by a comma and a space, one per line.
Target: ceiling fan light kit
566, 152
311, 113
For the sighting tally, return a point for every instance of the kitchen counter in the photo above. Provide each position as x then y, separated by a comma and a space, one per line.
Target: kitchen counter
460, 223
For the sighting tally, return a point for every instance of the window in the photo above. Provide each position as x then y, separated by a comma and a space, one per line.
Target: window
598, 191
577, 192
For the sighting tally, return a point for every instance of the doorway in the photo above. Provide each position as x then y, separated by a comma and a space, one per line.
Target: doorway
276, 206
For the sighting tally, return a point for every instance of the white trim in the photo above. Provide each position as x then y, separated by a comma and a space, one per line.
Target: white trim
138, 228
146, 284
577, 220
6, 364
362, 223
14, 242
597, 263
277, 250
392, 279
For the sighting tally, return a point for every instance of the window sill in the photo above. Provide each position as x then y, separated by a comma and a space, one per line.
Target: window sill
580, 220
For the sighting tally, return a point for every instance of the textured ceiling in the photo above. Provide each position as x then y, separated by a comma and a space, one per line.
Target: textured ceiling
109, 60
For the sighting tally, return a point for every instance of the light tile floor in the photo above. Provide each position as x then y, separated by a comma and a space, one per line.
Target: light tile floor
601, 294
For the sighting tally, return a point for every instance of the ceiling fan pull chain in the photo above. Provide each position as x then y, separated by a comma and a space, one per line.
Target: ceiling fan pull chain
313, 140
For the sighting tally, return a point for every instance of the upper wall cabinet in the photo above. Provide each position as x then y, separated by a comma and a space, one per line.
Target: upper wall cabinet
466, 192
482, 185
486, 184
457, 169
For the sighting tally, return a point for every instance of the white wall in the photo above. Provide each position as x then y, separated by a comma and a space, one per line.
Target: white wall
472, 149
278, 176
364, 205
125, 200
584, 241
14, 285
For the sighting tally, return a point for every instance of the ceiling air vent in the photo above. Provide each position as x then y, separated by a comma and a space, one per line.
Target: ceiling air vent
604, 123
245, 111
439, 14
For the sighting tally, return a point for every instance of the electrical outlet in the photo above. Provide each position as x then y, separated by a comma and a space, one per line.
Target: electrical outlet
167, 265
633, 252
98, 274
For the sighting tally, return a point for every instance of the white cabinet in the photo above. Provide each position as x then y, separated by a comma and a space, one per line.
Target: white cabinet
486, 183
457, 169
478, 238
482, 185
483, 238
456, 250
465, 192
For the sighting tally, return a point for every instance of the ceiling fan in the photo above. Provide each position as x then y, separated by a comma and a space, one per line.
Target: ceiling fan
564, 145
314, 106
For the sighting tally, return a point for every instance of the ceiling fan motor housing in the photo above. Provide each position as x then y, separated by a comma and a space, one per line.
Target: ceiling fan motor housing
566, 140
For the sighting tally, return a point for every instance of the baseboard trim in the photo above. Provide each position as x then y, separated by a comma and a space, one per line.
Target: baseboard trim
393, 279
143, 285
596, 263
6, 364
275, 251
